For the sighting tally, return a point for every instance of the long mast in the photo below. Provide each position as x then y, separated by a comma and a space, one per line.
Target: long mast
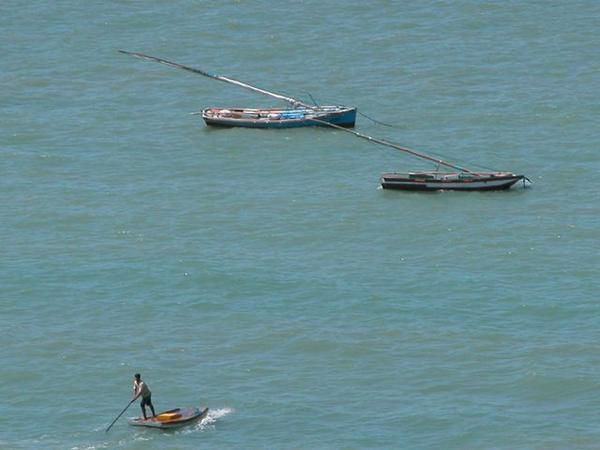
396, 146
290, 100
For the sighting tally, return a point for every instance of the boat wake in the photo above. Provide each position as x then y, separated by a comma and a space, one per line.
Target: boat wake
209, 421
214, 414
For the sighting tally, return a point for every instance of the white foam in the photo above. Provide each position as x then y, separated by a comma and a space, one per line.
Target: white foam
210, 419
214, 414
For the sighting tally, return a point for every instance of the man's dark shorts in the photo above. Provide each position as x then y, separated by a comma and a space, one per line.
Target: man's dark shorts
146, 401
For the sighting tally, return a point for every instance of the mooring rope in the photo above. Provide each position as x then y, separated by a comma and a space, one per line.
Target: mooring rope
377, 121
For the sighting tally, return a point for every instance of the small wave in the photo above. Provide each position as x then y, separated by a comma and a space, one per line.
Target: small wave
214, 414
209, 421
212, 417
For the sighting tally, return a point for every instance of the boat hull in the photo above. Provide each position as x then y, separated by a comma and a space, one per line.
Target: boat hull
434, 181
279, 118
173, 418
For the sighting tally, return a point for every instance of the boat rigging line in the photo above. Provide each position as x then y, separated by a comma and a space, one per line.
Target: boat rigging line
377, 121
397, 147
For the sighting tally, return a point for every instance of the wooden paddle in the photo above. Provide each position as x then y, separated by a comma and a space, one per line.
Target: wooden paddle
113, 422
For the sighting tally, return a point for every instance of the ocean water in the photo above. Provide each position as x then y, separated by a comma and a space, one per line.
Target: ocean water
263, 273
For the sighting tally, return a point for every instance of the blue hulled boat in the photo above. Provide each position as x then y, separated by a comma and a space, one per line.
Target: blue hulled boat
280, 117
298, 114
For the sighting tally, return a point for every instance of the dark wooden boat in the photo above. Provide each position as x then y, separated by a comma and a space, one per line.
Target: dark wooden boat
173, 418
297, 115
454, 181
461, 179
279, 117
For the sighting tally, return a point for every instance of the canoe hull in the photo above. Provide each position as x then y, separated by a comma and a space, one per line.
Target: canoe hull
435, 181
173, 418
279, 118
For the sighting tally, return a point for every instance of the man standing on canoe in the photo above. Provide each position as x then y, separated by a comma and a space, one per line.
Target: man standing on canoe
140, 388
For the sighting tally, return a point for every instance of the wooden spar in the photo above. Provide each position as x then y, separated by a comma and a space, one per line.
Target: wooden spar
290, 100
396, 146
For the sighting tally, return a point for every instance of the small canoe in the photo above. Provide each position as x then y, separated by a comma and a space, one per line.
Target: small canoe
280, 117
173, 418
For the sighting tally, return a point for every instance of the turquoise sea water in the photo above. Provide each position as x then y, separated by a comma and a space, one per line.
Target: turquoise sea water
264, 273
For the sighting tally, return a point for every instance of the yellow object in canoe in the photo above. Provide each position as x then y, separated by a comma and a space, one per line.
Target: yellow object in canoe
167, 417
